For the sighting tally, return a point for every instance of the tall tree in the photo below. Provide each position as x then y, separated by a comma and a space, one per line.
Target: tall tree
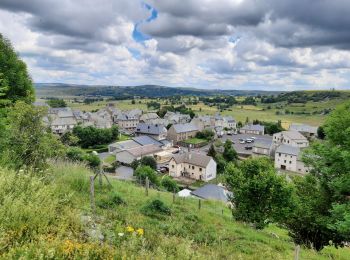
323, 212
29, 143
230, 153
260, 196
15, 82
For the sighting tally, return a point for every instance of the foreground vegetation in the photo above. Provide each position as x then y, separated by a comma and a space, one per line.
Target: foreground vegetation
49, 216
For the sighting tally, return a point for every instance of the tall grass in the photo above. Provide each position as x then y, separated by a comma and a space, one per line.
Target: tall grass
48, 216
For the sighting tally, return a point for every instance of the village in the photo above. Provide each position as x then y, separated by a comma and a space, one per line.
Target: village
174, 144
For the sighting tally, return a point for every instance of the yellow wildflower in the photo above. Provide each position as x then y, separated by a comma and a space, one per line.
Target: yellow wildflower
140, 231
130, 229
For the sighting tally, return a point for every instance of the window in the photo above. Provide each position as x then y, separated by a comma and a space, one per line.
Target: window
279, 154
290, 162
173, 166
192, 167
200, 169
285, 161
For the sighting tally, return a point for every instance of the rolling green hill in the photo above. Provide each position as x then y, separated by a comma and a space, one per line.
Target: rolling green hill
49, 217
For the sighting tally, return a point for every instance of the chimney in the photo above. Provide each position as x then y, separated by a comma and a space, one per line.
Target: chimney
189, 156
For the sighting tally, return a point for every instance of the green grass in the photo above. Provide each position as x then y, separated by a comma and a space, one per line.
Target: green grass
109, 159
195, 141
51, 219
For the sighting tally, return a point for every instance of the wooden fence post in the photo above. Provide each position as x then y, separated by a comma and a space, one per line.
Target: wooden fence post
147, 185
199, 204
92, 194
296, 252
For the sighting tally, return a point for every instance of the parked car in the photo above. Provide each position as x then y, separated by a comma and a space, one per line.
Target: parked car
253, 137
242, 142
229, 133
248, 140
248, 147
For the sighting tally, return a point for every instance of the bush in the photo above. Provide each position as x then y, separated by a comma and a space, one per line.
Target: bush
169, 184
110, 200
156, 208
145, 171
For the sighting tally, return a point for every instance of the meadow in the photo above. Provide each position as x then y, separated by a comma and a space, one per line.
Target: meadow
51, 219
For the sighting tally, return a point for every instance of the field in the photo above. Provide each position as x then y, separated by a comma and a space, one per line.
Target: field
311, 112
52, 219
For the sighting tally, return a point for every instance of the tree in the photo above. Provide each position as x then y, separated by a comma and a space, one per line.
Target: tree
70, 139
15, 82
230, 153
169, 184
323, 197
206, 134
260, 196
212, 151
145, 171
320, 132
149, 161
29, 143
55, 102
91, 136
220, 163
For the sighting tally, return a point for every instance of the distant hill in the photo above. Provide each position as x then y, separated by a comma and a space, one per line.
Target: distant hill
62, 90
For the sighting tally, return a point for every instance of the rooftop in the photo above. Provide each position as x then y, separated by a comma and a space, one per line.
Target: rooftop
194, 158
213, 192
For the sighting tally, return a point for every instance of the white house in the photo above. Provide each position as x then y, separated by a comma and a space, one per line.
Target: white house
193, 165
292, 138
288, 158
253, 129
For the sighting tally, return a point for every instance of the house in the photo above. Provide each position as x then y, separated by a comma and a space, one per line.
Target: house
229, 122
193, 165
177, 118
292, 138
306, 130
148, 117
181, 132
127, 121
136, 153
123, 145
158, 132
262, 147
61, 120
212, 192
253, 129
288, 158
146, 140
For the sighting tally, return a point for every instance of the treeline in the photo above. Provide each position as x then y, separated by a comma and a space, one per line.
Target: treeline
303, 96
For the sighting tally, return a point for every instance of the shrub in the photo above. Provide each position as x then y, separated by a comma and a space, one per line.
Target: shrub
110, 200
169, 184
156, 208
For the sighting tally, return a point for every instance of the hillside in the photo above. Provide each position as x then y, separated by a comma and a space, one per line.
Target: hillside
150, 91
49, 216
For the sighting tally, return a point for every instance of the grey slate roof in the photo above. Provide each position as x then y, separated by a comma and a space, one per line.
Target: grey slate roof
303, 128
287, 149
183, 128
146, 140
213, 192
294, 135
124, 145
144, 150
263, 143
194, 158
253, 127
153, 129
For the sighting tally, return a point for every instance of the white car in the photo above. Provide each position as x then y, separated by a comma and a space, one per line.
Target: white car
242, 142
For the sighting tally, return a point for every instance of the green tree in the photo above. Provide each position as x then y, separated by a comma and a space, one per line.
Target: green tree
212, 151
169, 184
320, 133
29, 143
260, 196
323, 197
230, 153
55, 102
149, 161
15, 82
145, 171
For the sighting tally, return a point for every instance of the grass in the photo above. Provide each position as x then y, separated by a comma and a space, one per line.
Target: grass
195, 141
51, 219
109, 159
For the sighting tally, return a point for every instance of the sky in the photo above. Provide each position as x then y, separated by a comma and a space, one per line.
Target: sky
211, 44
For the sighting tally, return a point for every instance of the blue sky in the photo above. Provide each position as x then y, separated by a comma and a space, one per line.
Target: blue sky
227, 44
